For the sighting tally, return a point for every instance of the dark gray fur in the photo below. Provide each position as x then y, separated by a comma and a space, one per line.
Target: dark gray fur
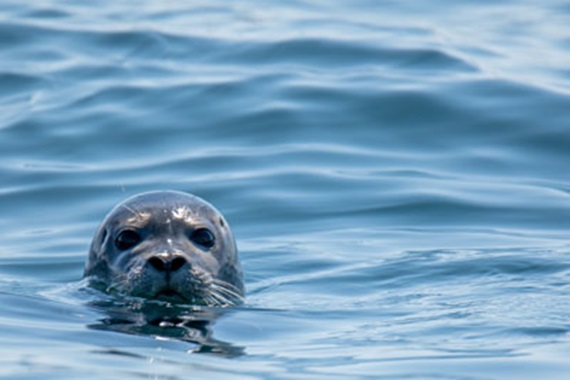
165, 220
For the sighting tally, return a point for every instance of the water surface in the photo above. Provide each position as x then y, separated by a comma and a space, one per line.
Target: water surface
395, 174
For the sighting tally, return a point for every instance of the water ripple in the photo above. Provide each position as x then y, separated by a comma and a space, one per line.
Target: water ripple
395, 175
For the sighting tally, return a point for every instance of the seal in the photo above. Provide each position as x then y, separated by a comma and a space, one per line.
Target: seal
167, 245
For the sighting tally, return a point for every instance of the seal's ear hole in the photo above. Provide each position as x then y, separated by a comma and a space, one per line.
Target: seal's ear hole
127, 239
222, 222
203, 237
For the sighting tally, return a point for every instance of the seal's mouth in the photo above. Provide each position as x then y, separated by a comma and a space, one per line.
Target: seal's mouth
170, 295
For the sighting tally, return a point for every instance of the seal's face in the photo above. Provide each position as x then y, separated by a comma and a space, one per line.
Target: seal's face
167, 245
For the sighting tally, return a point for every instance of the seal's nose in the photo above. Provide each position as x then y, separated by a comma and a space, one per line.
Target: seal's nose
167, 264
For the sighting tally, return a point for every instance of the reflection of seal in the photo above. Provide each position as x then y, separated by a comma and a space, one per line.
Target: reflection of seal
165, 321
167, 245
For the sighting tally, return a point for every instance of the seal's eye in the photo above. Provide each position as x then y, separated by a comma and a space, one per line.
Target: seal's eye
127, 239
203, 237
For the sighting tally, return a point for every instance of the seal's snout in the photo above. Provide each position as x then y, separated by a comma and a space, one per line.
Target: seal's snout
167, 263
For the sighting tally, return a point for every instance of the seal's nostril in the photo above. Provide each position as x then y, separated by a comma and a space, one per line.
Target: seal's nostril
162, 264
177, 263
157, 263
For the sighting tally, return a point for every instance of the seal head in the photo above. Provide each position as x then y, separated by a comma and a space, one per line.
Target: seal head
167, 245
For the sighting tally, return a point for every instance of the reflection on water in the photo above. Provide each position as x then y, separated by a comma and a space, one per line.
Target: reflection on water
160, 320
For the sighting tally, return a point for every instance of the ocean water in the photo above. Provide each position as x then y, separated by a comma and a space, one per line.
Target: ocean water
396, 175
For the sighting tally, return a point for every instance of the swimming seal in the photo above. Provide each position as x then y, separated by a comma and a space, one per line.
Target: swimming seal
167, 245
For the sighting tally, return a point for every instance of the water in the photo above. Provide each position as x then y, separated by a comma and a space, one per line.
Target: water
396, 175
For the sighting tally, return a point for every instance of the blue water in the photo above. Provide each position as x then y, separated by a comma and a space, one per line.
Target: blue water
396, 175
